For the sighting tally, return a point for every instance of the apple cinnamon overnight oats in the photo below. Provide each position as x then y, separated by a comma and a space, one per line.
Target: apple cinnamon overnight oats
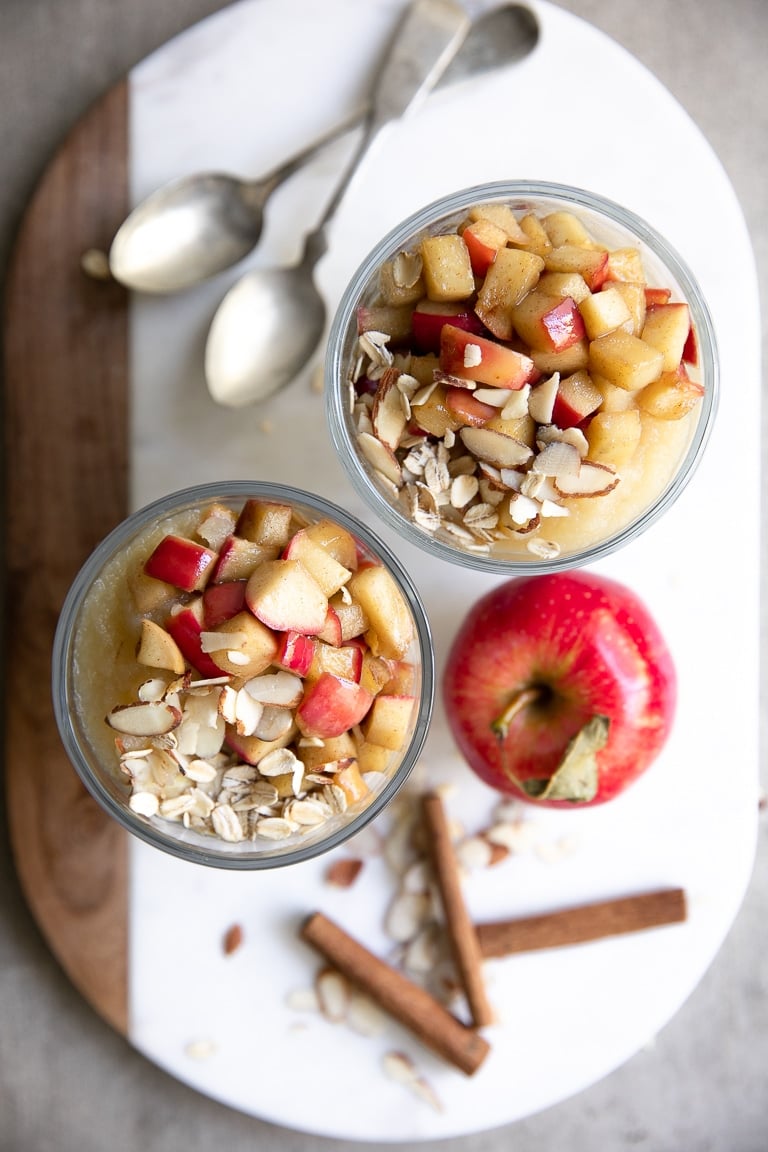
243, 674
521, 376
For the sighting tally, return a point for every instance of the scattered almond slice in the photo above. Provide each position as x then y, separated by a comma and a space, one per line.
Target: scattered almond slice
146, 719
332, 994
400, 1068
541, 401
495, 447
592, 479
380, 457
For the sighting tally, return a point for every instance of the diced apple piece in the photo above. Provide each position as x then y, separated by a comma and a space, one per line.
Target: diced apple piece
333, 750
395, 321
330, 633
391, 629
691, 349
238, 558
432, 413
447, 268
402, 682
503, 217
222, 601
295, 652
217, 524
577, 397
483, 239
666, 328
401, 280
389, 721
534, 235
657, 296
428, 319
375, 673
352, 620
265, 522
626, 264
185, 625
350, 781
158, 649
285, 597
345, 661
603, 312
253, 749
568, 360
672, 396
625, 360
548, 323
495, 448
633, 295
467, 408
614, 399
254, 646
373, 757
512, 275
522, 428
181, 562
565, 228
322, 567
613, 437
476, 358
564, 284
331, 706
591, 263
335, 540
148, 594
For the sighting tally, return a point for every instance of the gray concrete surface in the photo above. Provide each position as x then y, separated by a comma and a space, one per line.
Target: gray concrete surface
67, 1082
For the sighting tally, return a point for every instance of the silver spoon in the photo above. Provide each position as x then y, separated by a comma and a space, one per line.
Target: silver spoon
195, 227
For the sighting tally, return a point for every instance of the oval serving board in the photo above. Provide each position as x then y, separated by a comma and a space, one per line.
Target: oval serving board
106, 409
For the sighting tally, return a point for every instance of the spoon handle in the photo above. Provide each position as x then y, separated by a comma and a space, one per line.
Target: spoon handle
425, 42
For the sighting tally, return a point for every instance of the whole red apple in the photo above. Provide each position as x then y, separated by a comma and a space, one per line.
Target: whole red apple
560, 689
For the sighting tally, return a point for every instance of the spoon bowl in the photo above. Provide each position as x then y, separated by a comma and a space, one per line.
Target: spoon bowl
198, 226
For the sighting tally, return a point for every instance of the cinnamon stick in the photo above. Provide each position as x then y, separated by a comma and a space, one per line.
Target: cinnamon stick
406, 1001
583, 923
461, 931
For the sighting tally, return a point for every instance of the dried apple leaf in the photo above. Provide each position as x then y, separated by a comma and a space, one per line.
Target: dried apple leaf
577, 778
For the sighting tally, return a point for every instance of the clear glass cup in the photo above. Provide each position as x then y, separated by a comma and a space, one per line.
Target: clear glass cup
596, 526
94, 655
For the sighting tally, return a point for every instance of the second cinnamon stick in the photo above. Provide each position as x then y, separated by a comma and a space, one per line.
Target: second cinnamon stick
581, 924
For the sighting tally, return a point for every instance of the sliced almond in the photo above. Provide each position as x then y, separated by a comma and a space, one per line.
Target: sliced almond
495, 447
380, 457
550, 432
389, 414
248, 713
522, 509
558, 460
274, 723
541, 401
219, 641
332, 994
281, 688
592, 479
145, 719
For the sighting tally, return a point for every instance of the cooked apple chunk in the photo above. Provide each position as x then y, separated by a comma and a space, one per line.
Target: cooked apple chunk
448, 271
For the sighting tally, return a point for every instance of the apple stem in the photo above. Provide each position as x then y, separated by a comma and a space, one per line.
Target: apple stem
522, 699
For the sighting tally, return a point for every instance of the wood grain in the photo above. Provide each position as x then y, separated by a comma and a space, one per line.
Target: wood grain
66, 486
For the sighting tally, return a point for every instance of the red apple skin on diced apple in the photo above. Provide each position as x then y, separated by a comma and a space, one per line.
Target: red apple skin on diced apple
331, 706
181, 562
295, 652
585, 646
430, 316
656, 296
222, 601
462, 403
577, 398
564, 325
185, 626
498, 365
691, 348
